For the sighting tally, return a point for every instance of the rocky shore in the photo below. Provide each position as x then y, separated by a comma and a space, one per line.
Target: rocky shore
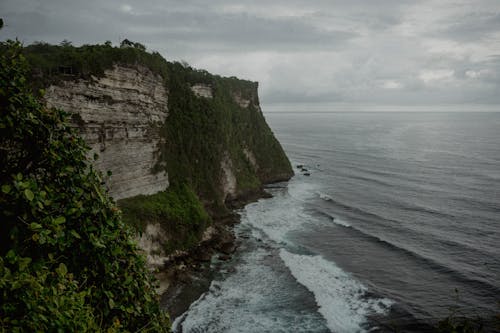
187, 275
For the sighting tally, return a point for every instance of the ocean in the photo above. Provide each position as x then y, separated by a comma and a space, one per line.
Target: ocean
391, 224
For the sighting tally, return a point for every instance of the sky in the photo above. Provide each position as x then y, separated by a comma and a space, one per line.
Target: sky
305, 54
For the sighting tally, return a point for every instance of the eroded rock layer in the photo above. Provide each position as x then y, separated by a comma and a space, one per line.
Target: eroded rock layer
119, 116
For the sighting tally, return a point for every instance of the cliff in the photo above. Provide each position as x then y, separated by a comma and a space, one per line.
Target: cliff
225, 147
119, 116
164, 130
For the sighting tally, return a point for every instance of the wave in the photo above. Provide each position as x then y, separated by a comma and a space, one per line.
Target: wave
334, 219
342, 300
400, 227
282, 214
260, 296
421, 259
402, 206
371, 217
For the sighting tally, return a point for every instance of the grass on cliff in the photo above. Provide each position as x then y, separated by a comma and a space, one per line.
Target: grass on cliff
54, 63
178, 211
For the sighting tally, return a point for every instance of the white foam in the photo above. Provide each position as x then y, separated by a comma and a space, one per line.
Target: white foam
325, 197
251, 300
341, 222
283, 213
341, 299
255, 298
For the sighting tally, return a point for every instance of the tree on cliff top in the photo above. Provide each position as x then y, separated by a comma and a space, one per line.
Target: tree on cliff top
67, 262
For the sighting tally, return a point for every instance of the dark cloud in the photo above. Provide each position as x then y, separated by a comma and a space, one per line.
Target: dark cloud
471, 26
351, 51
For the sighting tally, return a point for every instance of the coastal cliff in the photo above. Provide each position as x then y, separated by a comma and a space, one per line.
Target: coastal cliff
176, 146
119, 115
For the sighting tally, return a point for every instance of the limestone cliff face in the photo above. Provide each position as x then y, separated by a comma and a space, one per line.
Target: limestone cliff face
156, 125
119, 116
185, 126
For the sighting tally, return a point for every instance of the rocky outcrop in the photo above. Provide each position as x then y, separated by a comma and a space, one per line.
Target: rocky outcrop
240, 100
119, 116
202, 90
152, 241
251, 158
228, 180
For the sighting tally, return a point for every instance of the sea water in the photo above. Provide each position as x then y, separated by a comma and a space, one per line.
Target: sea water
397, 227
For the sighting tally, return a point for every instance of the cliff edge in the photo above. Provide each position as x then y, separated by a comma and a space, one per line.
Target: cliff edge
173, 142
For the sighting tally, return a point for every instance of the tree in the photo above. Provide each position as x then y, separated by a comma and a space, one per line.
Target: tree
126, 43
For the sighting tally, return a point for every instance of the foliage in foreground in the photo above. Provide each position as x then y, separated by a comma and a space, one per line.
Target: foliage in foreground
178, 210
67, 262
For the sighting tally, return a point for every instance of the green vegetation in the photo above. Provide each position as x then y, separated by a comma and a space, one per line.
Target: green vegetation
67, 261
203, 131
53, 63
178, 210
199, 132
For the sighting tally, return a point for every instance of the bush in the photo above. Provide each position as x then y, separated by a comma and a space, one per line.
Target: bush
67, 261
178, 211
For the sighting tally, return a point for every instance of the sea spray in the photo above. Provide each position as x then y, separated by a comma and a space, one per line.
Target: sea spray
341, 299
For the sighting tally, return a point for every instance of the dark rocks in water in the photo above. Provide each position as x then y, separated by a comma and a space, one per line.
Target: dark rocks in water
227, 248
203, 254
307, 174
299, 166
266, 195
224, 257
304, 170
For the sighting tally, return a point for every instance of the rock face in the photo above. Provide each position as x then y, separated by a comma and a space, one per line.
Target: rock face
214, 137
119, 116
241, 101
202, 90
228, 179
145, 117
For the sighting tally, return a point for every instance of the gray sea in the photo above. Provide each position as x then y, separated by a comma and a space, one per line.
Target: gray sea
396, 227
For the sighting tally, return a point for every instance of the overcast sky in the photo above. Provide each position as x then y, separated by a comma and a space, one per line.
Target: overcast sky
316, 54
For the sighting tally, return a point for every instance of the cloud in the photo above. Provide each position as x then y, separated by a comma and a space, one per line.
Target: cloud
391, 84
126, 8
350, 51
432, 76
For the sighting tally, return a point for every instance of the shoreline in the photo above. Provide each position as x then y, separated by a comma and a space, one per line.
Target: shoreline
189, 274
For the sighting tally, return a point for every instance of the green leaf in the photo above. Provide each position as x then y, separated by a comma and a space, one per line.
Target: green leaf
6, 188
75, 234
23, 263
11, 256
111, 303
35, 226
99, 193
28, 194
60, 220
62, 269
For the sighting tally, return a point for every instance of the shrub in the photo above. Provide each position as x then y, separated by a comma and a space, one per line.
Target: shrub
178, 211
67, 261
